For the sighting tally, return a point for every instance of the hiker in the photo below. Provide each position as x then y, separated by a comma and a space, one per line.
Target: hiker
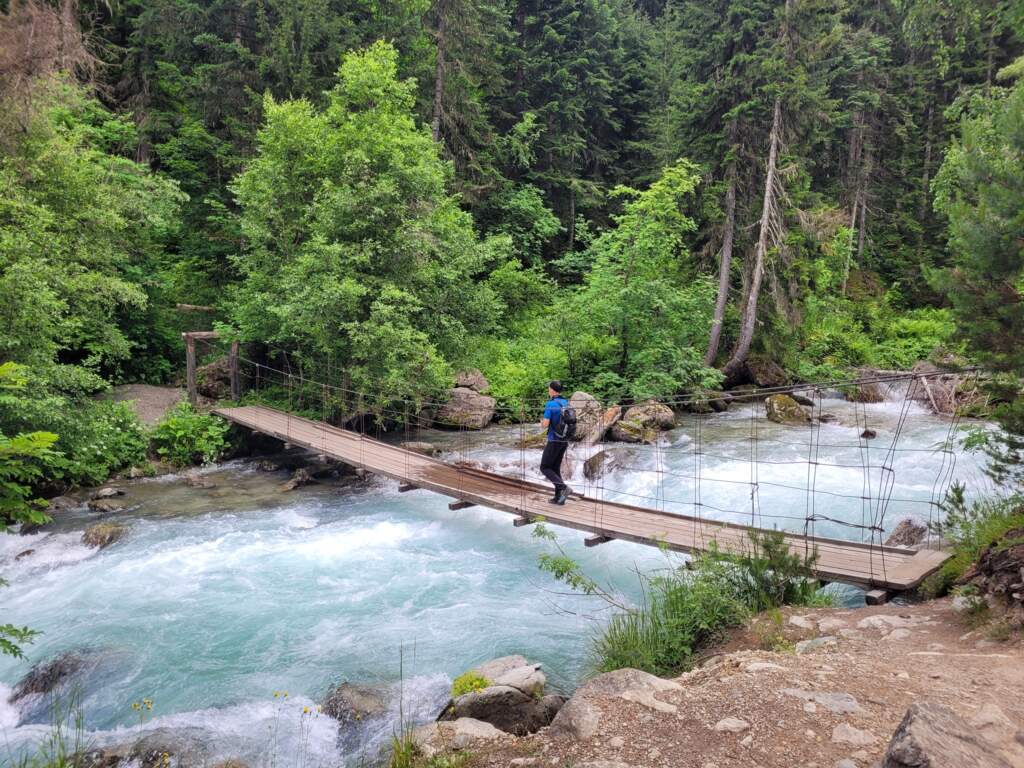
560, 421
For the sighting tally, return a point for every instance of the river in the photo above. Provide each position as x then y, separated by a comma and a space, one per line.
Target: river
217, 598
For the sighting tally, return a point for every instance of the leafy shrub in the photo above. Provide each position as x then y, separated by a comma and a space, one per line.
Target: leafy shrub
468, 682
970, 528
682, 613
186, 437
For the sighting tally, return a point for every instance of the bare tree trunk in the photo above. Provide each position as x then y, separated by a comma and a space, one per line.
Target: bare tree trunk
439, 71
926, 176
766, 238
724, 267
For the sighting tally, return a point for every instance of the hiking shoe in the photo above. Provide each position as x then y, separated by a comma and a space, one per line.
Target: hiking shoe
562, 496
553, 499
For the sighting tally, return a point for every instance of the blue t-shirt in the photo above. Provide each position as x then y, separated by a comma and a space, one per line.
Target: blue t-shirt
553, 412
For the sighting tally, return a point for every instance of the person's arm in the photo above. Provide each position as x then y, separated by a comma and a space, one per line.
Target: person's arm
544, 422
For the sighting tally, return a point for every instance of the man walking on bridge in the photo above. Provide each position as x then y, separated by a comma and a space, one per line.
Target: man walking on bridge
560, 421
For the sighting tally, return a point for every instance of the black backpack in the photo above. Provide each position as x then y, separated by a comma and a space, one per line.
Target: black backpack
565, 429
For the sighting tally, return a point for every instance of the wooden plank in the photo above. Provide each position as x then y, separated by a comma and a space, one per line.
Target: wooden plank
194, 308
460, 504
200, 335
865, 565
520, 521
593, 541
406, 487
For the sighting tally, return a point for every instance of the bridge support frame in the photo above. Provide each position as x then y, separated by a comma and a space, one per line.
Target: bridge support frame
191, 380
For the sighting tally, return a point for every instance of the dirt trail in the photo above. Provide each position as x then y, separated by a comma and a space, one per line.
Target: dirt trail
149, 402
834, 704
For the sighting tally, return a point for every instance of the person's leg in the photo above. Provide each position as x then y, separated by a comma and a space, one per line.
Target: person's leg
561, 489
550, 464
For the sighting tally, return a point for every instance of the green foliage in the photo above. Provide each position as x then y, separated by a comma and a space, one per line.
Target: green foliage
682, 614
686, 610
970, 527
468, 682
355, 250
186, 437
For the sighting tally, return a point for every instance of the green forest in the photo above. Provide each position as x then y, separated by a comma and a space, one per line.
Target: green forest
634, 197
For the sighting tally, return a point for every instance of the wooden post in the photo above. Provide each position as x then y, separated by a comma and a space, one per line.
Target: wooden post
236, 389
190, 368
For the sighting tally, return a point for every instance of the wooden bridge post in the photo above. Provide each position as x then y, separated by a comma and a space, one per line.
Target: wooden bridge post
236, 389
190, 368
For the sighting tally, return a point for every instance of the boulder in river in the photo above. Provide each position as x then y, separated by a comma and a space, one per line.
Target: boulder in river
783, 409
62, 504
107, 492
299, 478
535, 441
642, 422
106, 505
103, 535
47, 676
473, 379
423, 448
589, 426
909, 532
745, 393
348, 702
159, 748
466, 408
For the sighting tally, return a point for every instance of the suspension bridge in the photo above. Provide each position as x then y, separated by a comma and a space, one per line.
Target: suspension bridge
868, 563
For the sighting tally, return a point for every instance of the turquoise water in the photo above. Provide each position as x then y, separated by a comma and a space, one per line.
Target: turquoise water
217, 598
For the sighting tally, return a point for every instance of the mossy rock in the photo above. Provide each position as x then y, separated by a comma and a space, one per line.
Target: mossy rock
103, 534
783, 409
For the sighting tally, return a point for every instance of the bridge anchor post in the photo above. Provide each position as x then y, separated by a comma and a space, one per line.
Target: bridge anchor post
876, 597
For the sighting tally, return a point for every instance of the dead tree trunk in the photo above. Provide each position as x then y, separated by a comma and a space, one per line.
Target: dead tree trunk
439, 71
768, 236
724, 267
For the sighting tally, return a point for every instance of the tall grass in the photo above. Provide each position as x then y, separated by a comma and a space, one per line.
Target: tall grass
689, 609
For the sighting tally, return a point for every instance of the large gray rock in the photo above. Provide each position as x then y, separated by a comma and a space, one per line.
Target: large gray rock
600, 464
159, 748
495, 668
622, 680
446, 736
783, 409
578, 719
466, 408
765, 372
473, 379
504, 707
932, 735
418, 446
641, 423
214, 379
348, 702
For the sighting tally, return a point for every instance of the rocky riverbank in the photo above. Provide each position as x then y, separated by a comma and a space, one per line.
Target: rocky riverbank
893, 686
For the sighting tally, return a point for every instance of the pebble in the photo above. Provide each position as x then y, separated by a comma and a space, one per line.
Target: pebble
747, 740
616, 742
846, 763
653, 754
903, 675
860, 755
810, 707
810, 734
731, 725
523, 762
898, 634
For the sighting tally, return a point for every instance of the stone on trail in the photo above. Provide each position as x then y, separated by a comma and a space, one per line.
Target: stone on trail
839, 703
831, 625
783, 409
806, 646
933, 735
578, 719
602, 764
897, 634
802, 622
645, 698
622, 680
762, 666
731, 725
844, 733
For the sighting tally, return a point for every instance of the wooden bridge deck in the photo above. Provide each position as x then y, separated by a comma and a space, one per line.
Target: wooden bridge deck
865, 565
